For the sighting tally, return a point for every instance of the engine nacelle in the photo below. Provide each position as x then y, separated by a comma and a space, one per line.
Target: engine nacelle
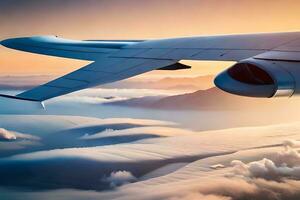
260, 78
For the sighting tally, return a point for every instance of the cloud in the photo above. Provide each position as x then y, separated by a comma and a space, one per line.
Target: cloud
291, 143
198, 196
266, 169
11, 135
271, 178
217, 166
222, 188
119, 178
102, 95
7, 135
275, 178
285, 163
255, 188
152, 130
233, 188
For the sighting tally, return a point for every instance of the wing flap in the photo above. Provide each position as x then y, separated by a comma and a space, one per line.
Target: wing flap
176, 66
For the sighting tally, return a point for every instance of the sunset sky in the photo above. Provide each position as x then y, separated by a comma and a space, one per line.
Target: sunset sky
133, 19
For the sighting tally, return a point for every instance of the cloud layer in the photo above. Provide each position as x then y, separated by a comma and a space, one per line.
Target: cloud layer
275, 177
216, 166
102, 95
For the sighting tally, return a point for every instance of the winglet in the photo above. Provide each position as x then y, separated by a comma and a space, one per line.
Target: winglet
37, 102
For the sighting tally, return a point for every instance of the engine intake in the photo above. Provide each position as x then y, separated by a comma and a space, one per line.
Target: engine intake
257, 78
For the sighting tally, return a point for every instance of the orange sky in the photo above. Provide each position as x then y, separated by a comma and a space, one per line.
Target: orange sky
134, 19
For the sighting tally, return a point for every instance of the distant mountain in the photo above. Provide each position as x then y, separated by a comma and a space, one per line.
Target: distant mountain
170, 83
184, 83
211, 99
200, 82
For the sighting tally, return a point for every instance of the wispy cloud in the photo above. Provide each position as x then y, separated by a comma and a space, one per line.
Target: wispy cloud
152, 130
101, 95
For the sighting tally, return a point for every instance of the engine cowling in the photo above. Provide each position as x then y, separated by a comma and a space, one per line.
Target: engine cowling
260, 78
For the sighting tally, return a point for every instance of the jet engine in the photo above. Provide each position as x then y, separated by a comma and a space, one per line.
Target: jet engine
261, 78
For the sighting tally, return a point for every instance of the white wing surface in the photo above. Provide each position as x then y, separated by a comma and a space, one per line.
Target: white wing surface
117, 60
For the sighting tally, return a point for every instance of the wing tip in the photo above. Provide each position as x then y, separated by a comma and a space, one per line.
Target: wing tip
40, 103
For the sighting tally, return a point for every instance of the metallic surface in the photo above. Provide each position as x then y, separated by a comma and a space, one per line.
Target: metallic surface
276, 53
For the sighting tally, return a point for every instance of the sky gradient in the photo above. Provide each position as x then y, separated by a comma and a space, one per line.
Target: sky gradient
132, 19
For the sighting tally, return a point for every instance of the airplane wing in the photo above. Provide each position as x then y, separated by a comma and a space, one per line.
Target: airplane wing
117, 60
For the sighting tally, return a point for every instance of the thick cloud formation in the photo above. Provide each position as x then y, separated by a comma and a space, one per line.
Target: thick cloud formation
276, 178
119, 178
266, 169
285, 163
